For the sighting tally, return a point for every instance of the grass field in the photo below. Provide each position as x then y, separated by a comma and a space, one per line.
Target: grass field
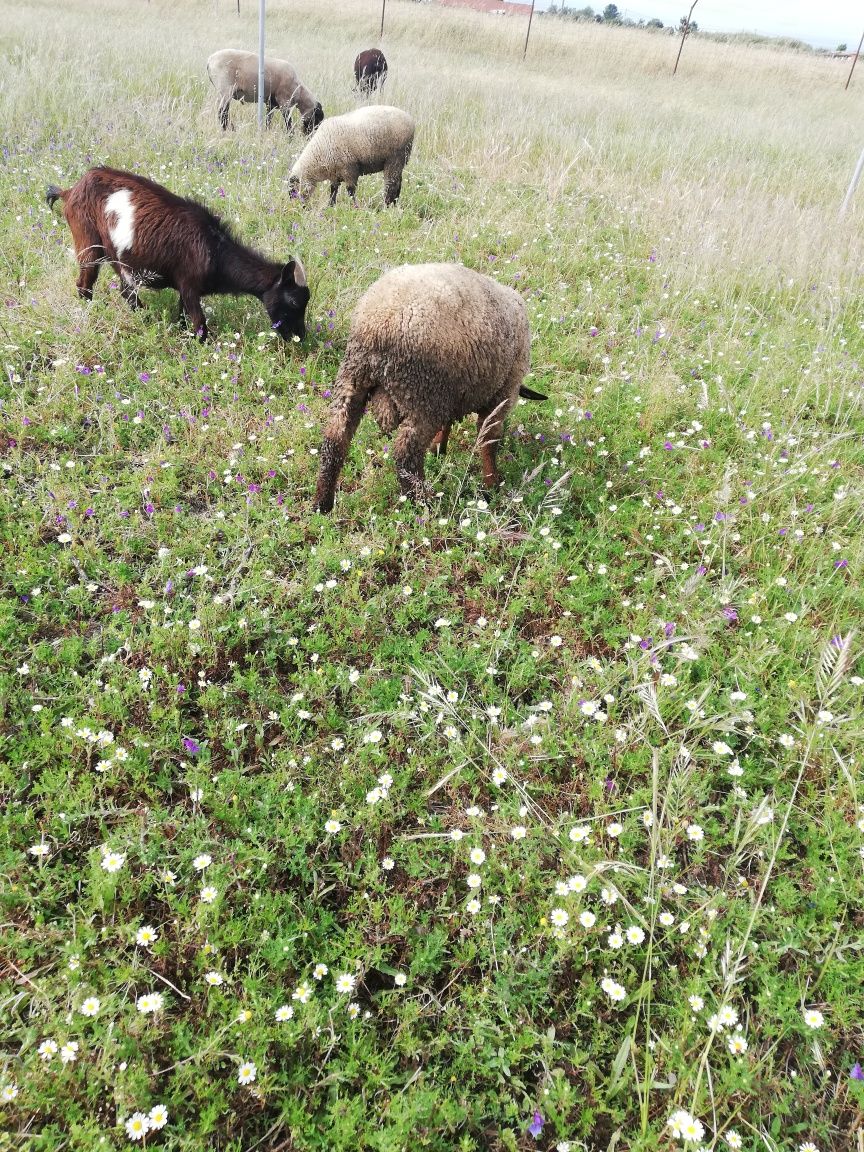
511, 821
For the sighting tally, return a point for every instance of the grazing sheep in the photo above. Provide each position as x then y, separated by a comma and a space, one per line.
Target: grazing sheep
234, 75
155, 239
373, 139
370, 70
429, 343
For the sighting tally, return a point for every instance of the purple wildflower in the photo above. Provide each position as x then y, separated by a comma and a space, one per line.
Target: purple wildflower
536, 1125
857, 1072
191, 746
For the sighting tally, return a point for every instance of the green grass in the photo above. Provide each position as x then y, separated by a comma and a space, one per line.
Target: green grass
667, 584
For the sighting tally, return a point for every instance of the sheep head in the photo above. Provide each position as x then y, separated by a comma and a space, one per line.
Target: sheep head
312, 119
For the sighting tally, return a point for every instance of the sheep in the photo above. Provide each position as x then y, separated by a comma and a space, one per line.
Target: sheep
429, 343
155, 239
374, 139
234, 74
370, 70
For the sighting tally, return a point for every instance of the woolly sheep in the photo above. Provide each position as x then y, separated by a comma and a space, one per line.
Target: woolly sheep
373, 139
429, 343
234, 74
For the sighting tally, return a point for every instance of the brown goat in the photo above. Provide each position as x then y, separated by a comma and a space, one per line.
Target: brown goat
370, 70
154, 239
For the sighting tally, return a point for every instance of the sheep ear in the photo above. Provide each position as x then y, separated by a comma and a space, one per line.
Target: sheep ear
294, 273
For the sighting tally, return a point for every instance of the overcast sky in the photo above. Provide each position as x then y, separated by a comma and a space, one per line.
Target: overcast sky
826, 22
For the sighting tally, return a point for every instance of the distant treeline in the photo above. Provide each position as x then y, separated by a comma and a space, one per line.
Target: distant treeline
611, 15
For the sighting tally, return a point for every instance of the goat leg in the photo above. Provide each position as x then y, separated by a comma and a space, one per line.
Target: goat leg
190, 302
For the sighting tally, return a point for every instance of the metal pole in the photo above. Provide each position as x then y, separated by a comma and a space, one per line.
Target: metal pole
383, 6
262, 12
855, 61
528, 33
859, 168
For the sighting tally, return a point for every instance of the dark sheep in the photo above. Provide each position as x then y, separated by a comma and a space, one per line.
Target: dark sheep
154, 239
370, 70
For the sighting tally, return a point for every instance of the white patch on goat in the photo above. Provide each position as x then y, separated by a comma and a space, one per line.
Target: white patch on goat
122, 232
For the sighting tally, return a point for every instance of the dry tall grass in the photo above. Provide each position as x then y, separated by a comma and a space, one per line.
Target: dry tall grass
737, 166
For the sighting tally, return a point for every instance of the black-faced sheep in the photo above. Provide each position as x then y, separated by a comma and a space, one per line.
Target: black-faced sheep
155, 239
374, 139
234, 75
370, 70
429, 343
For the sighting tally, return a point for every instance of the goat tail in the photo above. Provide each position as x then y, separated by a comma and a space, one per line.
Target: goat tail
53, 194
530, 394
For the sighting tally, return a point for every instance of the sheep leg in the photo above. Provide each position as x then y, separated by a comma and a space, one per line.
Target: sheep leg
409, 448
345, 414
490, 428
224, 106
439, 443
334, 189
289, 123
351, 179
392, 182
190, 302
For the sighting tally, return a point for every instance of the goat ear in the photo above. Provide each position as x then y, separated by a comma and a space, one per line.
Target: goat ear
294, 273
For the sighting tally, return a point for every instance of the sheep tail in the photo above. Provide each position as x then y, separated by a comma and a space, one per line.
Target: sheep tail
530, 394
53, 194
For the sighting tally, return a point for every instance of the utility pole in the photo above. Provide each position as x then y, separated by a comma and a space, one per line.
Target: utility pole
262, 14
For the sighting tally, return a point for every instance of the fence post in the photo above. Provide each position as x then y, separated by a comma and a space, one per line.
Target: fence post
528, 33
685, 32
854, 62
859, 168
